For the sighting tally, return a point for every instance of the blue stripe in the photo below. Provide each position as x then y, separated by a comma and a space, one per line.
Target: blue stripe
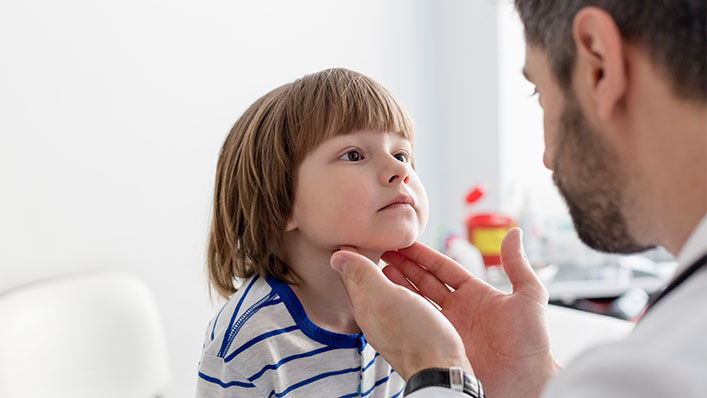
263, 302
379, 382
312, 380
362, 343
314, 332
288, 359
226, 342
370, 363
216, 320
226, 385
399, 392
257, 339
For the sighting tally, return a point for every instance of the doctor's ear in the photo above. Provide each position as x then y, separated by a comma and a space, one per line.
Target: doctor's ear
600, 64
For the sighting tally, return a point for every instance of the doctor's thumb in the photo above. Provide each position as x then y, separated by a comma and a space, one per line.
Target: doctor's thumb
357, 271
516, 264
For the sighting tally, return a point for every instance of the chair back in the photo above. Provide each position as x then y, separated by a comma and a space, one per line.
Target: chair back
95, 335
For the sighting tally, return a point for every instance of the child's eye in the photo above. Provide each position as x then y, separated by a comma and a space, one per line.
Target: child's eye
352, 156
535, 92
403, 157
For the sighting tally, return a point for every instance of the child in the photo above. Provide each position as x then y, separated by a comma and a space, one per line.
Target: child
315, 164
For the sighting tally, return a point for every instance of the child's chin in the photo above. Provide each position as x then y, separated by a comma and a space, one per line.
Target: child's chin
390, 240
401, 241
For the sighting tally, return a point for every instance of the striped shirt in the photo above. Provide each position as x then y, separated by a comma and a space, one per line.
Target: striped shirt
262, 344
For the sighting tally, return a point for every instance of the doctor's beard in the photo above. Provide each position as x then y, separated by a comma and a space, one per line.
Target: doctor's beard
586, 173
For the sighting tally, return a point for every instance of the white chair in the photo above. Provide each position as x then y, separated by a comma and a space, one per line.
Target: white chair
94, 335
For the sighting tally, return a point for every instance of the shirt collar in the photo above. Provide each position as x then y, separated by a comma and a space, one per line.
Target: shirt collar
695, 246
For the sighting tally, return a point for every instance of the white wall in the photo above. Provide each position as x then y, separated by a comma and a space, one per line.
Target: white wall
113, 114
468, 117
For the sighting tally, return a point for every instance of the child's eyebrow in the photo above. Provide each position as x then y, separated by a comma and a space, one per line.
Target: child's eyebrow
404, 140
526, 74
402, 136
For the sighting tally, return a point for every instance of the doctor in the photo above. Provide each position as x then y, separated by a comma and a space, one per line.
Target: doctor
624, 93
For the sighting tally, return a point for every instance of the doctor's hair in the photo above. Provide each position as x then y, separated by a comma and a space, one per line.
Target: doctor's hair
257, 165
673, 33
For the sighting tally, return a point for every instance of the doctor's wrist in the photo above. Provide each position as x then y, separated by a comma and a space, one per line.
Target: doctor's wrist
412, 366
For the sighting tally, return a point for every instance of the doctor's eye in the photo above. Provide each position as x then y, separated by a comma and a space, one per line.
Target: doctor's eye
352, 156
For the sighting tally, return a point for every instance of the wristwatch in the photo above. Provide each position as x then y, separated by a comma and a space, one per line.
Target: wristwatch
453, 378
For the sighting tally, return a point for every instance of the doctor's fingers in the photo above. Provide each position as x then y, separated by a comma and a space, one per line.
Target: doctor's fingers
448, 271
397, 277
425, 283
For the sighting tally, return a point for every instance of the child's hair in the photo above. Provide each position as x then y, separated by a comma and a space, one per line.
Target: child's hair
256, 171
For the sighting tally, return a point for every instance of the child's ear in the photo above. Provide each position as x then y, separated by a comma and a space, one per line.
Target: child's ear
291, 225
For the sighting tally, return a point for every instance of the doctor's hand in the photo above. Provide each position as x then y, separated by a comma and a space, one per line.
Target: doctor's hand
401, 325
505, 335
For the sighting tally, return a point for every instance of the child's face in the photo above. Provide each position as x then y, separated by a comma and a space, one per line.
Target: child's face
360, 190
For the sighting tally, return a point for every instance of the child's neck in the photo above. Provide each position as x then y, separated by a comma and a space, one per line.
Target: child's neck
321, 291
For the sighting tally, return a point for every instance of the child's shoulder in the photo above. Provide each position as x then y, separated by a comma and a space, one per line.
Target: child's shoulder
251, 311
249, 336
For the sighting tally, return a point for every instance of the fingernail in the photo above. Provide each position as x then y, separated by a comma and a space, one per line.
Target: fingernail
338, 263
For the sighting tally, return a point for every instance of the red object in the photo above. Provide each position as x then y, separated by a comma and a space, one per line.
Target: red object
475, 194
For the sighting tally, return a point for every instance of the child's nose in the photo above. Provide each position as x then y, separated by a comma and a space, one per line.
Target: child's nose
405, 179
400, 172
